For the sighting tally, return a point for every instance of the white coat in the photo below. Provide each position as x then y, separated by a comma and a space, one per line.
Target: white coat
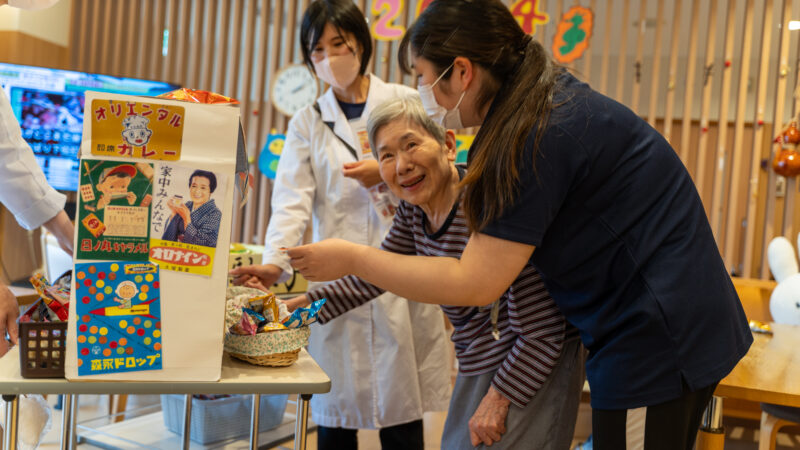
387, 359
23, 187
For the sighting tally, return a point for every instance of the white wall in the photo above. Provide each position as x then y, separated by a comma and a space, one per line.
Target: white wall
51, 24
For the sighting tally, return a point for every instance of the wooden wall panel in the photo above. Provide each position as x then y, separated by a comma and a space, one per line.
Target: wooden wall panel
235, 47
20, 48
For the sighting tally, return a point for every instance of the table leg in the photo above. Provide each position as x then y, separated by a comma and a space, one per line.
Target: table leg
66, 421
187, 421
301, 423
12, 414
73, 425
711, 435
256, 411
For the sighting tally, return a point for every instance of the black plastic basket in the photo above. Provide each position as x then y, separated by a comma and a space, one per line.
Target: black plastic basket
42, 346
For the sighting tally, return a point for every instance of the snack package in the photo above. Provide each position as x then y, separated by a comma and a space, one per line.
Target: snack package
283, 311
56, 297
257, 318
94, 225
271, 309
302, 317
271, 326
246, 326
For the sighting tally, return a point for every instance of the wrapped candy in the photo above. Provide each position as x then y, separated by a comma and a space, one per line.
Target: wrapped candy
302, 317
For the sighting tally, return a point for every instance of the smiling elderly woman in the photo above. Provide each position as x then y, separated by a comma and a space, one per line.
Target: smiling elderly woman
196, 221
520, 363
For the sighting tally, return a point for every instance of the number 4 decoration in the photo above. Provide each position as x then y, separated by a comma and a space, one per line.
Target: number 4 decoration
528, 15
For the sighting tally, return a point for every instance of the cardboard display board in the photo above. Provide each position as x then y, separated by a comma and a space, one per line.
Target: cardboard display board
155, 203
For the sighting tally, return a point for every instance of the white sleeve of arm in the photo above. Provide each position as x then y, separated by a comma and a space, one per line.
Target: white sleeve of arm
292, 196
23, 186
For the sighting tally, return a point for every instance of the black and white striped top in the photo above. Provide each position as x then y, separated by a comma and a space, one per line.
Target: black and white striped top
532, 330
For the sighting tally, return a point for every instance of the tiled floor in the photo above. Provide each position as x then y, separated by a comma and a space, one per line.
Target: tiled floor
740, 434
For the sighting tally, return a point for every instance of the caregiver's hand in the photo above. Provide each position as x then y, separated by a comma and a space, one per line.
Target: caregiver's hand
366, 172
326, 260
266, 274
489, 420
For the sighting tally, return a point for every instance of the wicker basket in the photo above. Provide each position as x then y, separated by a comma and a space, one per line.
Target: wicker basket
275, 348
271, 360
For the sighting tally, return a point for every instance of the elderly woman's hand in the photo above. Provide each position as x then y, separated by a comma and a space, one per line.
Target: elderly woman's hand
300, 301
489, 421
325, 260
366, 172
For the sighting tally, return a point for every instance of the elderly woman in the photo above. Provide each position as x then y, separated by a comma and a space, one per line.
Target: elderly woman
520, 363
196, 221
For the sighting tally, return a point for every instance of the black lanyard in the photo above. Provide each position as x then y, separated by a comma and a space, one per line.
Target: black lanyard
330, 125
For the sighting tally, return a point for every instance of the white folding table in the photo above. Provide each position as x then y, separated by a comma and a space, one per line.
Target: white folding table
304, 377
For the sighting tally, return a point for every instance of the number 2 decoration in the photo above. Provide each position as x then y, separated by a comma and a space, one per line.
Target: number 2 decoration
384, 28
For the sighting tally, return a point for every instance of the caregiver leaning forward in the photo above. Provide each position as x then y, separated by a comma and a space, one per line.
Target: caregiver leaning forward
595, 197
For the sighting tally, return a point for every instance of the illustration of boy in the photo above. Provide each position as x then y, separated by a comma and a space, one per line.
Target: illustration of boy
125, 292
114, 184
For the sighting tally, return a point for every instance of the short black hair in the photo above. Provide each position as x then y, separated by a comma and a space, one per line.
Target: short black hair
342, 14
212, 179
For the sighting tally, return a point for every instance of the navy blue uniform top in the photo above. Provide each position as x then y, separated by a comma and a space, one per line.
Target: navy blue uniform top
626, 251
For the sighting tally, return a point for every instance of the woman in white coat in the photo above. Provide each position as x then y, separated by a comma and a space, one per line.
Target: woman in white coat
387, 359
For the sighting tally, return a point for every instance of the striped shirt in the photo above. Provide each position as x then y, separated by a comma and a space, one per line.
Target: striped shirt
531, 328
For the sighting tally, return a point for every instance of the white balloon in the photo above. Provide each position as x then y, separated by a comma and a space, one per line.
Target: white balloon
784, 304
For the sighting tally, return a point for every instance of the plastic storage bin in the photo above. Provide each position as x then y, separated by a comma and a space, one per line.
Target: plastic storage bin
223, 418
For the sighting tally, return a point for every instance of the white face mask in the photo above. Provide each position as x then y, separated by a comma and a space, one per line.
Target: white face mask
339, 70
32, 4
450, 119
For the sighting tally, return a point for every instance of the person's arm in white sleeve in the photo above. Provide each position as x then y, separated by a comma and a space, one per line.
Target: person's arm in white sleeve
292, 201
292, 194
23, 186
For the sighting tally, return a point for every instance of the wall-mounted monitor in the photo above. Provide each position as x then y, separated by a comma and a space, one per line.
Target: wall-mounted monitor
48, 104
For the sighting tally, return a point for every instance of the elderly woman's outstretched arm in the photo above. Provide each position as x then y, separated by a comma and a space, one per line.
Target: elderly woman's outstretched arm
486, 269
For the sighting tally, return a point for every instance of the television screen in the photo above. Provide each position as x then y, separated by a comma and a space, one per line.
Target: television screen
48, 104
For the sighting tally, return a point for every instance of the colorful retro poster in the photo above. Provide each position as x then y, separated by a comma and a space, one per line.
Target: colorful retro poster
114, 211
118, 313
572, 34
137, 130
186, 218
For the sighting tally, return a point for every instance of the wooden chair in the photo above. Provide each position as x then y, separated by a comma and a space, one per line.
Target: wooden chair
773, 418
